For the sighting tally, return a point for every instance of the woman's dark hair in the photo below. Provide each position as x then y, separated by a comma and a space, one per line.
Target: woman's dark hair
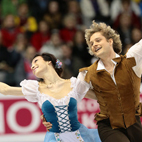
52, 58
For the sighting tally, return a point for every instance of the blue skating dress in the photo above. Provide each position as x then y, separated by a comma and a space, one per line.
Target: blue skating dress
62, 113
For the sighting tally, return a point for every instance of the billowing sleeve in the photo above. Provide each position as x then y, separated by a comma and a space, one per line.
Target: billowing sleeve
30, 90
82, 75
81, 87
136, 52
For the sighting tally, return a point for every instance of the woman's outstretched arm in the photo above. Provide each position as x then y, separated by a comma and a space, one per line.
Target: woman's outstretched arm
9, 90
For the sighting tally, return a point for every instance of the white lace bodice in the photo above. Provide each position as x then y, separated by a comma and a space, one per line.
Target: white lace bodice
32, 94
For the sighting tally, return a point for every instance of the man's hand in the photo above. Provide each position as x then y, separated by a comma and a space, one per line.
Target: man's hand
48, 125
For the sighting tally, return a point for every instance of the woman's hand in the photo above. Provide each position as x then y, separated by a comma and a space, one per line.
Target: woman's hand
48, 125
9, 90
4, 88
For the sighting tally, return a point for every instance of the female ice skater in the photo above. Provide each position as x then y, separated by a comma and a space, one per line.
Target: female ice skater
57, 98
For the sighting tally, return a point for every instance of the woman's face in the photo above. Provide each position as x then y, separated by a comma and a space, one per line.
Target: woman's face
39, 66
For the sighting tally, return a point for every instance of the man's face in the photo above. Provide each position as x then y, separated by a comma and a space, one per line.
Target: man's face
100, 45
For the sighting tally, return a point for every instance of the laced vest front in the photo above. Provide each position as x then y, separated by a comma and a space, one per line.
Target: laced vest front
63, 118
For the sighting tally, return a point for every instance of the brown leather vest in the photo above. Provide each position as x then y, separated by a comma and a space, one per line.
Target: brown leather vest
119, 102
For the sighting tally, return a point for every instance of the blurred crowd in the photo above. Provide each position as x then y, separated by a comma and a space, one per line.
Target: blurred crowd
28, 27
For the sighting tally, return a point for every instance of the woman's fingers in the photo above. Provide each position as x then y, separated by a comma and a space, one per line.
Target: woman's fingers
41, 117
48, 125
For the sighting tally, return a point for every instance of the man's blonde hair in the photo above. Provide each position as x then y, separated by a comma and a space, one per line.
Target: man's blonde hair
107, 32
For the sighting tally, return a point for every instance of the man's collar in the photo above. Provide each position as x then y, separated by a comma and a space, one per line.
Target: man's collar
101, 65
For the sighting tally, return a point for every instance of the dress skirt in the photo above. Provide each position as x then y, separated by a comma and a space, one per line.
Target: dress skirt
82, 135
